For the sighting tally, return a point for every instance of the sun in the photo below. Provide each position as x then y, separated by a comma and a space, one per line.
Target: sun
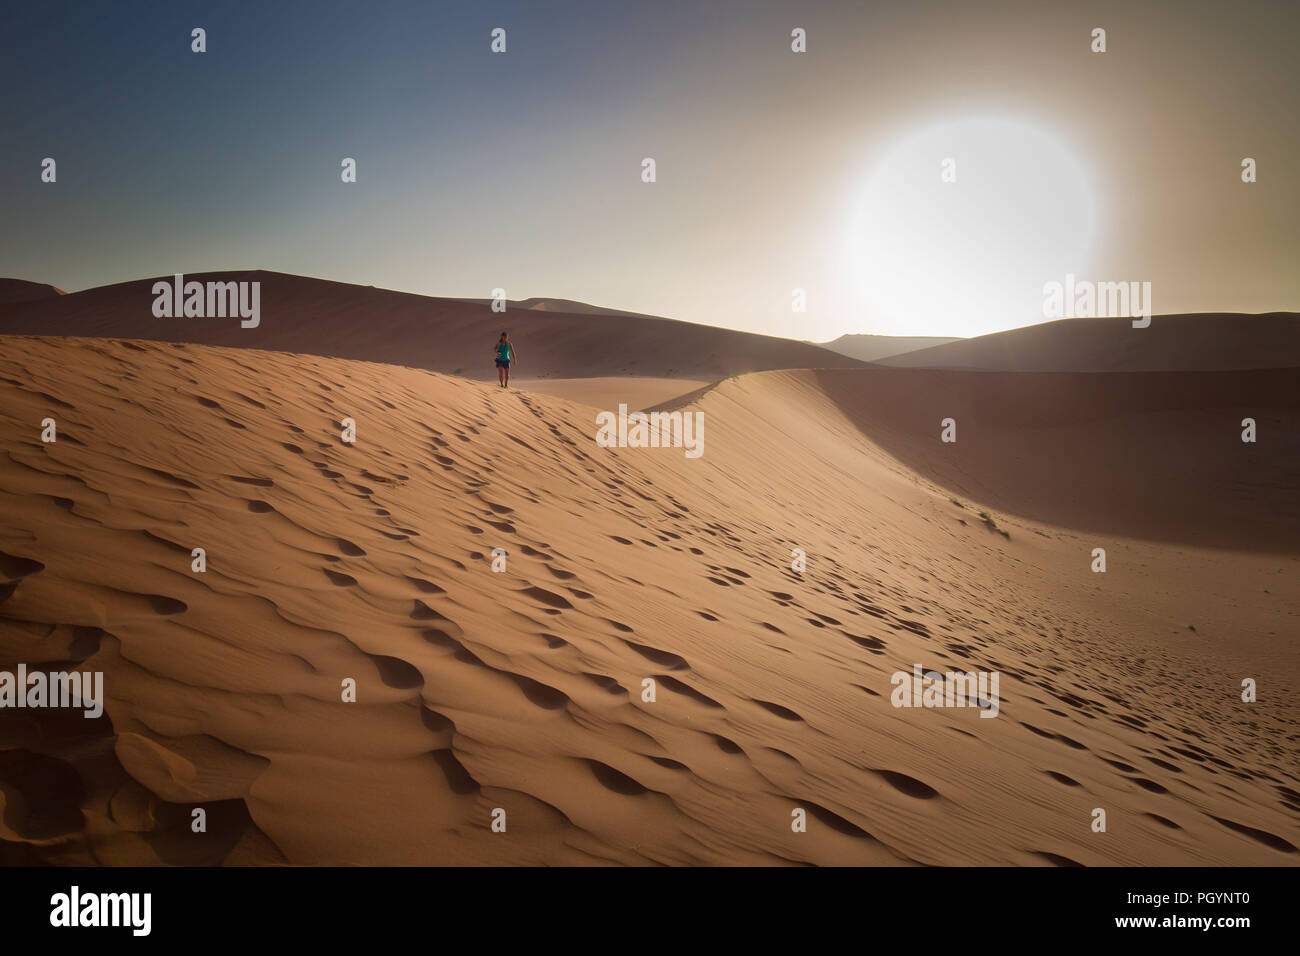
960, 224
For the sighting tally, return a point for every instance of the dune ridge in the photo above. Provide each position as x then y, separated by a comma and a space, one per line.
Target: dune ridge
452, 336
873, 348
1204, 341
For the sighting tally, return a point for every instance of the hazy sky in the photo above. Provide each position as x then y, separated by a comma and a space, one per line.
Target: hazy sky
776, 170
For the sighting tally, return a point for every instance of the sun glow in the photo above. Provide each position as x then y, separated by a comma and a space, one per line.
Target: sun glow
961, 224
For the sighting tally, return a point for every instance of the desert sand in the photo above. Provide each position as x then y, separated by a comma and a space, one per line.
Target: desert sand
522, 690
608, 392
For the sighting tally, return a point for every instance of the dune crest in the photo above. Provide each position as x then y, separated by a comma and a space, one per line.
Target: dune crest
452, 336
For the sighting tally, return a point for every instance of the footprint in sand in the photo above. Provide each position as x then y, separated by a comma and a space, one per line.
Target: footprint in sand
668, 762
543, 695
458, 778
433, 720
348, 548
785, 713
726, 744
14, 567
908, 785
428, 587
548, 597
164, 605
606, 683
1164, 821
397, 673
1062, 778
662, 658
870, 643
45, 795
833, 820
422, 612
615, 780
686, 690
171, 479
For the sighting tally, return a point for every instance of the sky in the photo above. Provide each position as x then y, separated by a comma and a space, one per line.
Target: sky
820, 171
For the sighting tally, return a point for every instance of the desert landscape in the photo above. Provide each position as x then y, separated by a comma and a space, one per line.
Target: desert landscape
522, 690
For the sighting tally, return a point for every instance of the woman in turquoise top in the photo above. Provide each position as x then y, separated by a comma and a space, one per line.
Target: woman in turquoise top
505, 352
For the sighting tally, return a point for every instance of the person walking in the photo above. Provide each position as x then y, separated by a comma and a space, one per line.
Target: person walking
504, 352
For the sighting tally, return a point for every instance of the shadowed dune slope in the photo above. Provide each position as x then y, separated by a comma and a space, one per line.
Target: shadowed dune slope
542, 304
1202, 341
319, 317
1155, 455
20, 290
523, 690
873, 348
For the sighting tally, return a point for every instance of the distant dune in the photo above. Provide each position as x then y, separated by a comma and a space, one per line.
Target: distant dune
872, 348
570, 306
1199, 342
318, 317
20, 290
577, 308
523, 690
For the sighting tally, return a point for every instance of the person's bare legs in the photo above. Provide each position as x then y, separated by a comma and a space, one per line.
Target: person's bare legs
501, 376
506, 382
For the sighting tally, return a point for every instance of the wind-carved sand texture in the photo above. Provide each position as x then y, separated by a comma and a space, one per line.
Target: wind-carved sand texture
522, 690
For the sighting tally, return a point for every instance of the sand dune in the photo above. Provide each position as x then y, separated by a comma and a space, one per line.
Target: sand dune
873, 348
523, 690
20, 290
1155, 455
572, 306
1200, 342
453, 336
608, 393
568, 306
